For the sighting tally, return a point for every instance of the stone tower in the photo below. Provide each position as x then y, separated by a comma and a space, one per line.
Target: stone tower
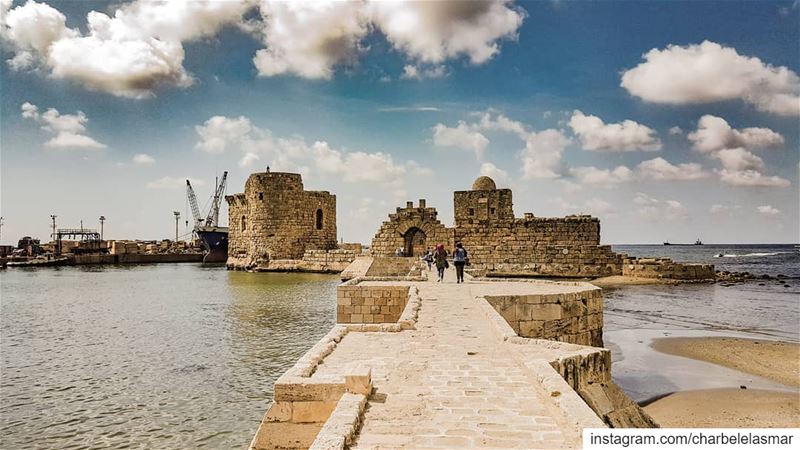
275, 219
483, 204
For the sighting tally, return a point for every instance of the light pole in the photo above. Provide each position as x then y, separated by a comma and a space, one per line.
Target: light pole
177, 219
102, 219
56, 244
1, 229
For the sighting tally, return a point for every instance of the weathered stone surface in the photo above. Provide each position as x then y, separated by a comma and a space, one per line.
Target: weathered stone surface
275, 219
499, 243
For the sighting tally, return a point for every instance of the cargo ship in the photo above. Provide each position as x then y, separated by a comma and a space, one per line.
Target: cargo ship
213, 237
215, 243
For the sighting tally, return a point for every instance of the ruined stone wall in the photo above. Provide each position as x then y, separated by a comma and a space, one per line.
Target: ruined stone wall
665, 268
395, 232
567, 247
275, 219
576, 318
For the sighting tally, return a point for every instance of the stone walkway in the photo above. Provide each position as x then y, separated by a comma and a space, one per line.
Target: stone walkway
451, 383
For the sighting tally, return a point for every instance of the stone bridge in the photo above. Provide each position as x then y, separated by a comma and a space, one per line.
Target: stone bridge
418, 364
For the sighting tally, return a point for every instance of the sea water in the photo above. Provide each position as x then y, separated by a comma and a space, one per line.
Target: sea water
177, 356
167, 356
758, 309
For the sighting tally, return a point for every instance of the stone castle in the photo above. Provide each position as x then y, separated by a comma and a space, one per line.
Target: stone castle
499, 242
275, 220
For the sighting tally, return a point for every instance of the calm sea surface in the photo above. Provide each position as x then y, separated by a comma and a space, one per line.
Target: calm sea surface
178, 356
170, 356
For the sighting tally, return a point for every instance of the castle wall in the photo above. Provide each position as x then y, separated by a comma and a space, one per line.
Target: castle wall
566, 246
394, 232
276, 219
474, 207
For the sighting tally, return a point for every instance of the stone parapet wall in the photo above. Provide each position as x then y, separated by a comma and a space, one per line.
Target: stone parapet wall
575, 318
370, 304
302, 405
665, 268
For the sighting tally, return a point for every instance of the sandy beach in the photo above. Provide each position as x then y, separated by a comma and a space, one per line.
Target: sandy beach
733, 407
727, 408
778, 361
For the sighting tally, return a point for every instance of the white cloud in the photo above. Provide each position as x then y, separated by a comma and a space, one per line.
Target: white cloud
69, 129
462, 136
676, 131
723, 209
709, 72
433, 32
309, 38
490, 170
130, 53
751, 178
740, 167
738, 159
625, 136
655, 210
661, 169
143, 159
248, 159
768, 210
220, 134
714, 133
541, 157
603, 177
411, 72
409, 109
173, 183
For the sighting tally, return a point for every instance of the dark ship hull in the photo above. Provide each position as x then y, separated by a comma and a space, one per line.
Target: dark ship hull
215, 243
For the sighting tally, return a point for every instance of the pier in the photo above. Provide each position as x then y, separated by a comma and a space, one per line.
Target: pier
451, 371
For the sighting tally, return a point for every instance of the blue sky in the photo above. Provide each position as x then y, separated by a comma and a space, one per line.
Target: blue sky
374, 113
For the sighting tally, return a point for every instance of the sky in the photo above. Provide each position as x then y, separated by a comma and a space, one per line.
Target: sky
668, 120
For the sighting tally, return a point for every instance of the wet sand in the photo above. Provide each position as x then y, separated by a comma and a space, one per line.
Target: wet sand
620, 280
778, 361
727, 408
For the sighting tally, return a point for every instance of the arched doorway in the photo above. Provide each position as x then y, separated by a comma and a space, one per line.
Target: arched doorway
414, 242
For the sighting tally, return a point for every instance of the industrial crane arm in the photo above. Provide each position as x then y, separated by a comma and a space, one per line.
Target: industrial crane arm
198, 219
213, 213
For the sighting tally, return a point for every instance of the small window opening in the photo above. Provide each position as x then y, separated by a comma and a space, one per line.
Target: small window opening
244, 223
319, 219
261, 196
492, 210
472, 211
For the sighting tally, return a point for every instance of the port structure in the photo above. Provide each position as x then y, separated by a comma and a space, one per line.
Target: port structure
82, 234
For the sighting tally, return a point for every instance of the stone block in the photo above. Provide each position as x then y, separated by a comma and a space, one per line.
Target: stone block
546, 311
279, 412
359, 382
312, 412
531, 328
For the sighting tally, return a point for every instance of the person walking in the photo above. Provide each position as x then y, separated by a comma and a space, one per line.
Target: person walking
440, 258
460, 260
428, 258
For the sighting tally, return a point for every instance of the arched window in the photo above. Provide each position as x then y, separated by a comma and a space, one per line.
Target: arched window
244, 223
319, 219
